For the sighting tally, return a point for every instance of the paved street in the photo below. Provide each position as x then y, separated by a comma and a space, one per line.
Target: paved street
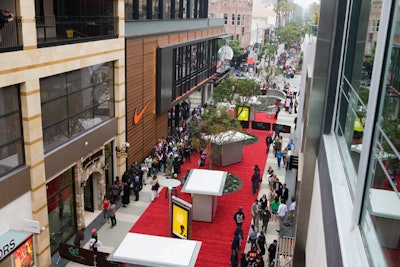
127, 217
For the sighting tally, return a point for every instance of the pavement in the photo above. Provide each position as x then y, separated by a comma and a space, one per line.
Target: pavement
127, 217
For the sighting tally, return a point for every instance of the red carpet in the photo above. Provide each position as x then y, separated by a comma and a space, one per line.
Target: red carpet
216, 237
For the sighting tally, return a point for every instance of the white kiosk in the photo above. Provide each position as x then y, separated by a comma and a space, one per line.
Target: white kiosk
148, 250
205, 187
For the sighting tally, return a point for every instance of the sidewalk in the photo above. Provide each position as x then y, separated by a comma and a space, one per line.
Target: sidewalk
111, 238
285, 176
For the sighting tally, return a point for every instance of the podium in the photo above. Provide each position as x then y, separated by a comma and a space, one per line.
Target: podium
205, 187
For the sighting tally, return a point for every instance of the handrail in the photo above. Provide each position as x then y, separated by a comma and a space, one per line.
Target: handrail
56, 28
10, 34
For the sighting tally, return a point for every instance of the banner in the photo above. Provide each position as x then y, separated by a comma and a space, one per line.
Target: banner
85, 256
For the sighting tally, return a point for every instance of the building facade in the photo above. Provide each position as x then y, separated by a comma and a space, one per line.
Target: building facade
237, 15
87, 88
171, 68
349, 181
62, 93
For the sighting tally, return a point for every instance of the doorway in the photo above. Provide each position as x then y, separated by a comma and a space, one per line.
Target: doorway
88, 194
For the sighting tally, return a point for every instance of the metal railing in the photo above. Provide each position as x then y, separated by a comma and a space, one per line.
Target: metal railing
61, 28
10, 35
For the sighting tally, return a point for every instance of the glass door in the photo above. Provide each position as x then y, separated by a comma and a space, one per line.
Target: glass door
88, 194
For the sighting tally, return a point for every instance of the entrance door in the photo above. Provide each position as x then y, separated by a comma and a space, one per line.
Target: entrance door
88, 194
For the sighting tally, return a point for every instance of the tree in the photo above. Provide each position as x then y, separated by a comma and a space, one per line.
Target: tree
213, 122
236, 92
235, 45
269, 50
291, 33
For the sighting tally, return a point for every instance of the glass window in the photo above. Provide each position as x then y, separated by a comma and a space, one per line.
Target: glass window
11, 137
238, 19
168, 9
226, 18
142, 9
61, 208
128, 9
155, 9
193, 63
53, 88
381, 213
75, 101
233, 19
354, 90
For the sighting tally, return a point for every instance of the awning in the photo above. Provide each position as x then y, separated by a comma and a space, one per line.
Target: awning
251, 60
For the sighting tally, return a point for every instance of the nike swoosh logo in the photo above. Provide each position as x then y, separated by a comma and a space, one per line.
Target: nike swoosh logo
138, 116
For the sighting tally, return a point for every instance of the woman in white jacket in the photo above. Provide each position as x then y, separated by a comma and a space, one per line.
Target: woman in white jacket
154, 187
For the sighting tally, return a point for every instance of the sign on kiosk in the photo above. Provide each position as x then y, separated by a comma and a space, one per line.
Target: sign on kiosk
181, 218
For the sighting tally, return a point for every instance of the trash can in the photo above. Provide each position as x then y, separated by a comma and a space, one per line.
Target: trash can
70, 33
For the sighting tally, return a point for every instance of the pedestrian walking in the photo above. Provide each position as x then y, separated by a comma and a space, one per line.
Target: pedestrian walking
292, 212
279, 156
252, 235
106, 206
235, 247
154, 187
265, 217
112, 210
268, 142
281, 213
255, 213
261, 243
274, 207
80, 236
94, 242
136, 187
239, 217
272, 251
255, 179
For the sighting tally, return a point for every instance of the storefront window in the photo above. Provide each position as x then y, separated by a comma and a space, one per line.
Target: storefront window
76, 101
61, 208
11, 143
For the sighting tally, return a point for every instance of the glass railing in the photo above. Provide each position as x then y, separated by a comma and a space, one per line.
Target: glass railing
64, 28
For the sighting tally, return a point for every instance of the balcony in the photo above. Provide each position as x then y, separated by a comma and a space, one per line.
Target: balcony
58, 30
10, 36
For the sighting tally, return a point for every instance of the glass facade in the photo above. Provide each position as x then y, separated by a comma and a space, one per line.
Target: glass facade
165, 9
61, 208
193, 64
367, 124
11, 136
76, 101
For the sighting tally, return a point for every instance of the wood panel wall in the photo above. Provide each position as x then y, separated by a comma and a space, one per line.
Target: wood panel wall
141, 88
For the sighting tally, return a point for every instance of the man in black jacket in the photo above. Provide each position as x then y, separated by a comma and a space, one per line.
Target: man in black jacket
284, 193
5, 17
235, 249
268, 142
272, 251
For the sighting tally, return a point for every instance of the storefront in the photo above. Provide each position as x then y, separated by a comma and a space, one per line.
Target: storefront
17, 249
78, 189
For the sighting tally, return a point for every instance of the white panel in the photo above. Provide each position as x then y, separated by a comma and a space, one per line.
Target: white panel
315, 248
15, 212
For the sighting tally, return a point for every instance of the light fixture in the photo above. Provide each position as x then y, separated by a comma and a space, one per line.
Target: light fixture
122, 150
